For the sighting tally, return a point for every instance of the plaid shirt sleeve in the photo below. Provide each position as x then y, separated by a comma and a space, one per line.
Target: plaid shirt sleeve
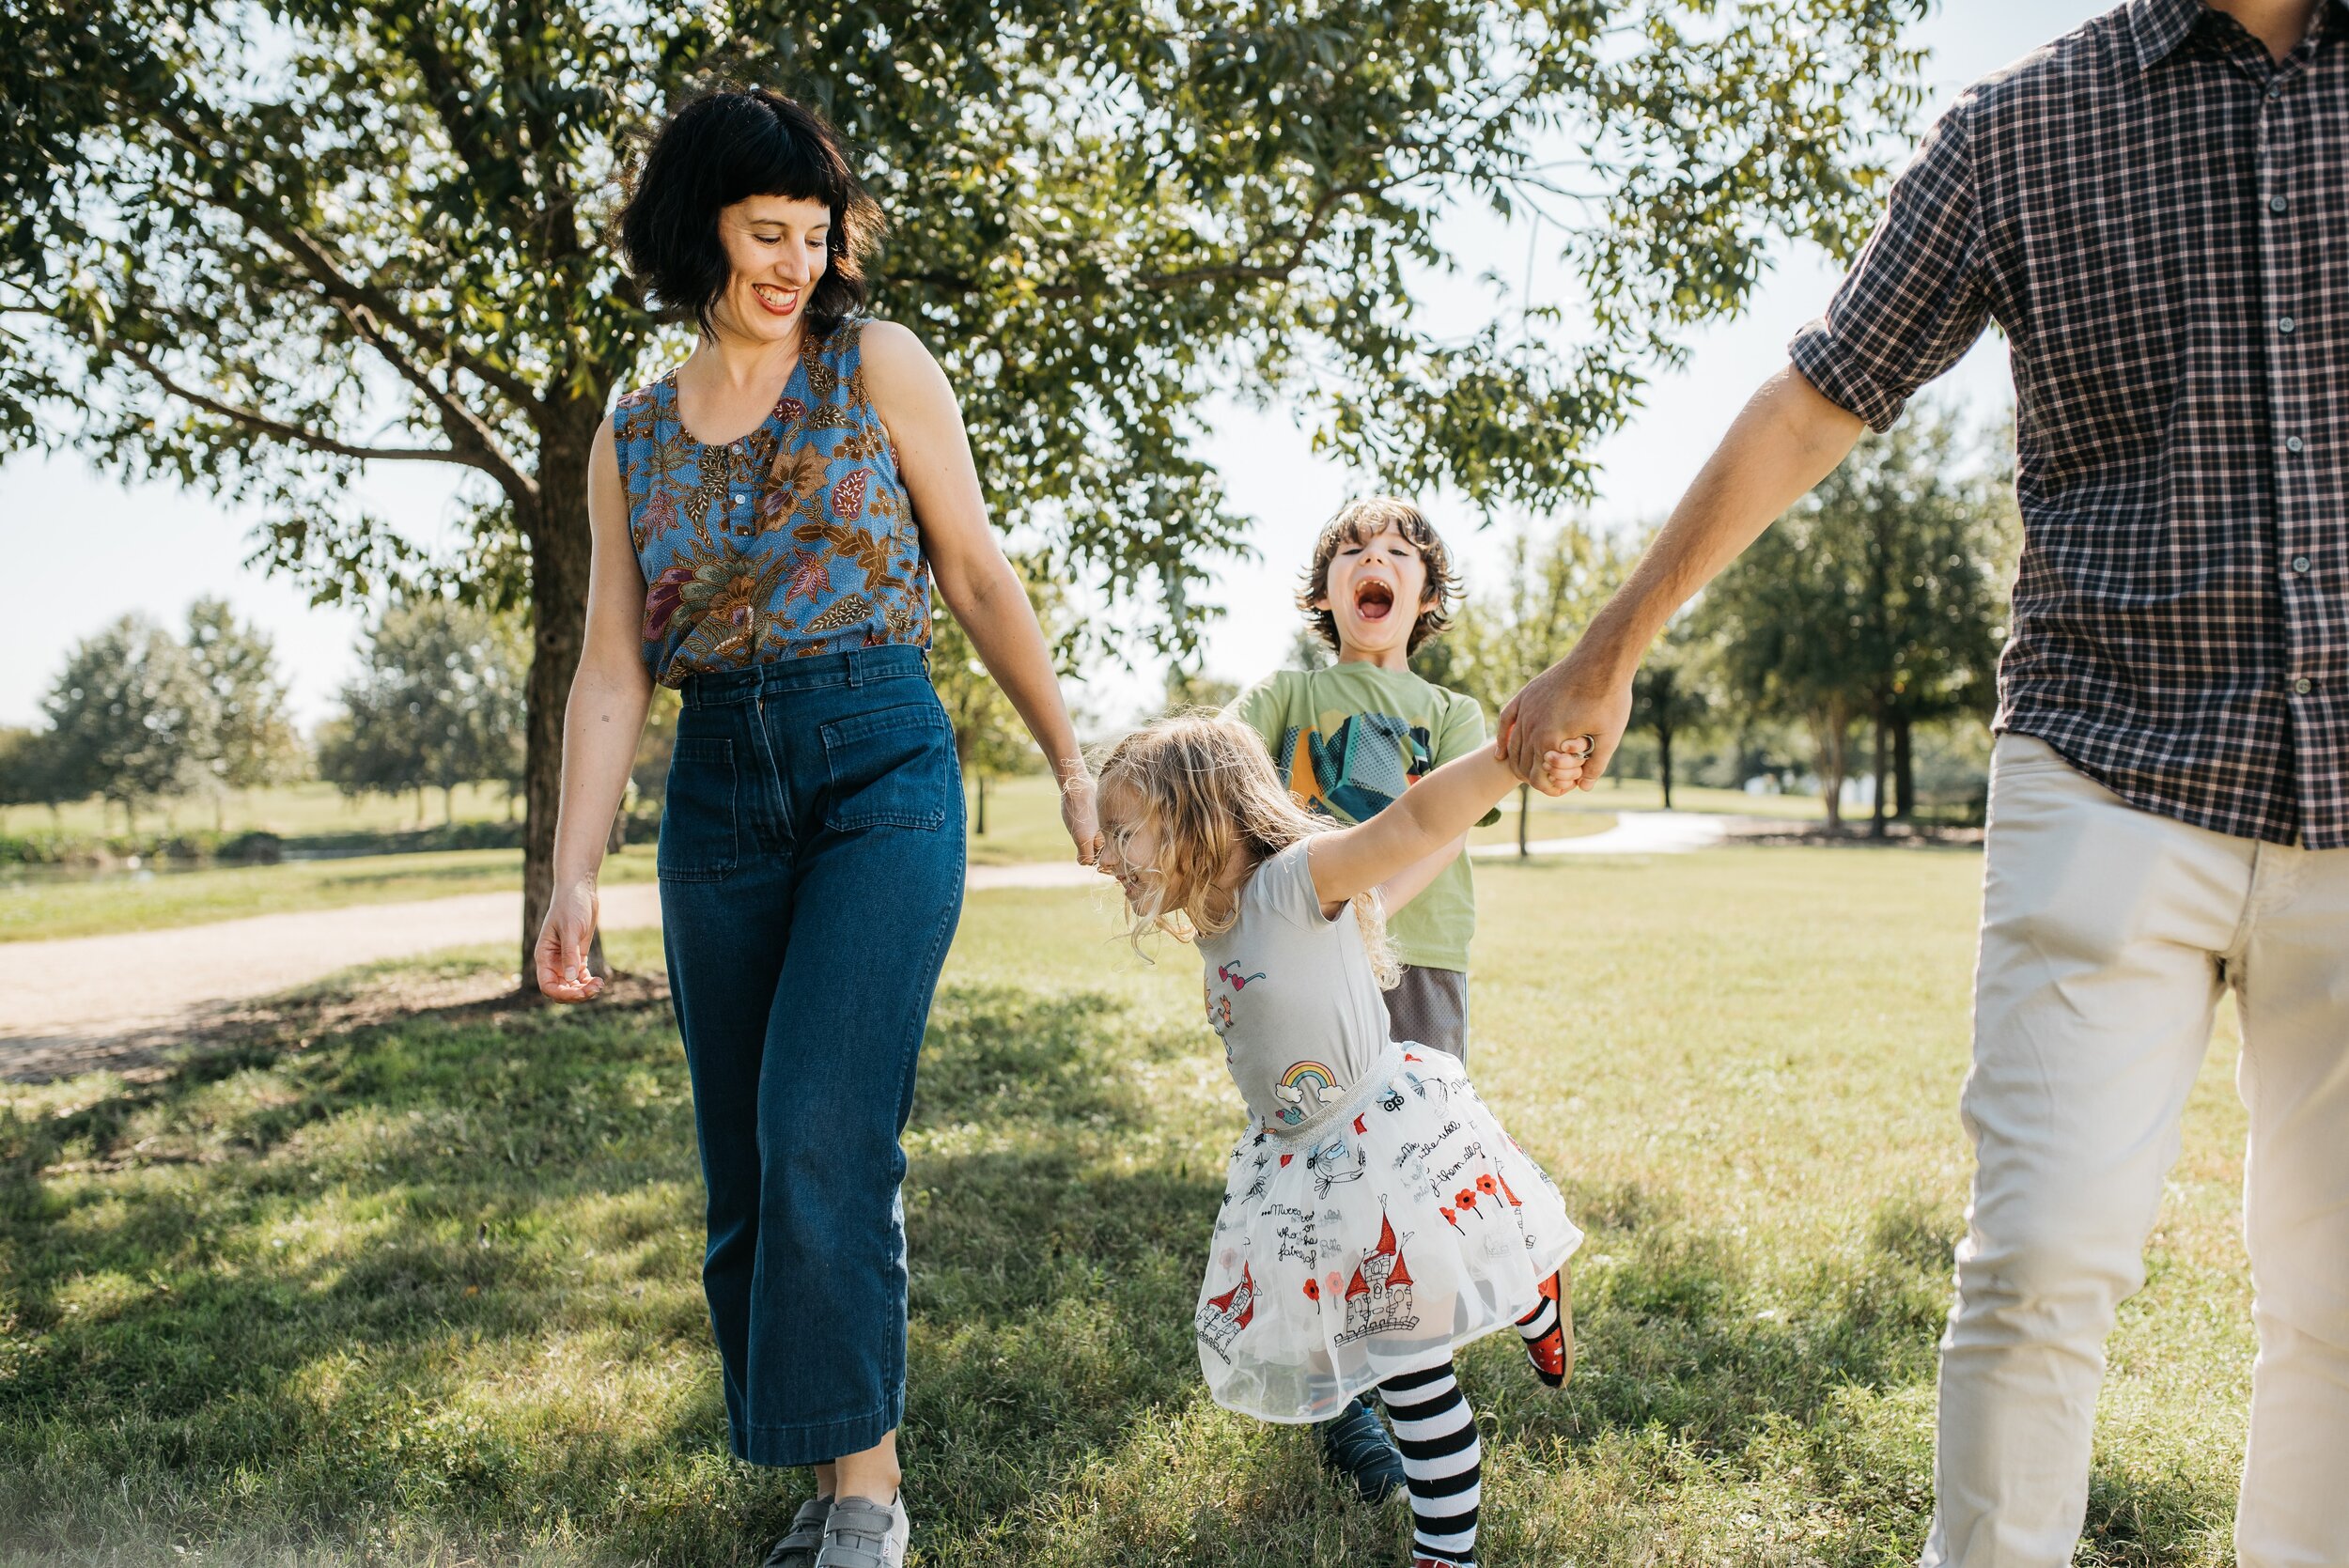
1914, 300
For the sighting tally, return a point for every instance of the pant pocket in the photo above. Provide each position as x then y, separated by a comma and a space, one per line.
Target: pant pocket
893, 767
698, 834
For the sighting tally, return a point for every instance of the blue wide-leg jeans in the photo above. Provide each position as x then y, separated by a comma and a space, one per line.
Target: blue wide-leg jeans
811, 874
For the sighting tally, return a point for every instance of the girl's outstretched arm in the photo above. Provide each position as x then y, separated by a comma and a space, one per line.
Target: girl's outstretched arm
1430, 815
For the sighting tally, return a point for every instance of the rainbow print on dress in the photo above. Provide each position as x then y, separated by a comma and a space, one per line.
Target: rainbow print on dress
1303, 1090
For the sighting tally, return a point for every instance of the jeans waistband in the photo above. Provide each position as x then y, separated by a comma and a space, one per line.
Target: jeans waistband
854, 667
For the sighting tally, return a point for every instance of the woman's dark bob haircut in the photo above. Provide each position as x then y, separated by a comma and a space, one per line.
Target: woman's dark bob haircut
728, 147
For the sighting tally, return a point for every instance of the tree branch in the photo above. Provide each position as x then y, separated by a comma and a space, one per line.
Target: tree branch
349, 293
294, 435
467, 431
1160, 283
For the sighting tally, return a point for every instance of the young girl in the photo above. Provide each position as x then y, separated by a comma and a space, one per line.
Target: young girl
1375, 1216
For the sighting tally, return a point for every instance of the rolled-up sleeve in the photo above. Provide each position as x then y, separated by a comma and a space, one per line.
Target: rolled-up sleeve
1914, 300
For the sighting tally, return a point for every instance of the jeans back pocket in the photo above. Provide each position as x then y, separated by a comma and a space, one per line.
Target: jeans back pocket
698, 813
893, 767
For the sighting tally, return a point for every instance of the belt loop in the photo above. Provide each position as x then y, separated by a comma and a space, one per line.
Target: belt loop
856, 674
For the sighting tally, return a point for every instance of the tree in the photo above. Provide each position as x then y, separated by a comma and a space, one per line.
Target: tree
1189, 690
27, 774
438, 703
256, 248
1553, 586
254, 743
130, 717
1880, 596
1671, 695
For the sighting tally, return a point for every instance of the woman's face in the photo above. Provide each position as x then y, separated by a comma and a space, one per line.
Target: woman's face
775, 253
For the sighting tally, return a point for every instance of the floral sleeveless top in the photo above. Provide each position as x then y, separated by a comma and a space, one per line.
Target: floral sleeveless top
797, 539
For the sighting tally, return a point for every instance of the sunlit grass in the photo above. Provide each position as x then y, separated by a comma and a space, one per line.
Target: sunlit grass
426, 1292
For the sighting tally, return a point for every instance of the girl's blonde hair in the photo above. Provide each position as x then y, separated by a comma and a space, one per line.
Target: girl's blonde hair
1206, 786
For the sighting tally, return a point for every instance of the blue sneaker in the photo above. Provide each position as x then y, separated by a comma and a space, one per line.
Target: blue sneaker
1354, 1443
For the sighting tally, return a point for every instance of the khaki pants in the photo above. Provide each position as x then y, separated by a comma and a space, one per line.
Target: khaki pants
2106, 933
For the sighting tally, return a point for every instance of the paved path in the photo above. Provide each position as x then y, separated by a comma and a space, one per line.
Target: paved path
67, 999
1635, 832
63, 998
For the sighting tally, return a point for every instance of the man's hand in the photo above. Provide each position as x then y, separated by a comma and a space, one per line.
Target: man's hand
1560, 706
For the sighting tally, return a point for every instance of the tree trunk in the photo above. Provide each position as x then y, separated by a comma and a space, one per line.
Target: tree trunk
981, 827
560, 546
1827, 734
1664, 760
1877, 825
448, 804
1904, 768
1525, 817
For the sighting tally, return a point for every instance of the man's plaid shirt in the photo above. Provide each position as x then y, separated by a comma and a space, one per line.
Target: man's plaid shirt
2158, 215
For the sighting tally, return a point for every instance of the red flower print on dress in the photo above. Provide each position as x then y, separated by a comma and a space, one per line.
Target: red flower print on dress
847, 497
1485, 1185
661, 601
1312, 1289
1465, 1198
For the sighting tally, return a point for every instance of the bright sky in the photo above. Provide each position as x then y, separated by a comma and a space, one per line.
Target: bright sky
87, 550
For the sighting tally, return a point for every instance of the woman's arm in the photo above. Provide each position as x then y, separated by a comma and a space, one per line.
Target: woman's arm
912, 395
601, 725
1431, 815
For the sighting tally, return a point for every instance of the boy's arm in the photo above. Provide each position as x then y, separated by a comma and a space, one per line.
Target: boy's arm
1415, 878
1432, 814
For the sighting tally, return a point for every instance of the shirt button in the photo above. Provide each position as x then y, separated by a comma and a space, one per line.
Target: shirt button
2277, 204
2286, 324
2300, 564
2274, 89
2304, 685
2293, 443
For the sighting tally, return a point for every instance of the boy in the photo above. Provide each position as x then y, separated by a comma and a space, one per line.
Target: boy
1347, 740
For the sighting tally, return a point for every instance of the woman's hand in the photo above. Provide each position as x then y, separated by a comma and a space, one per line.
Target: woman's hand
1080, 812
564, 940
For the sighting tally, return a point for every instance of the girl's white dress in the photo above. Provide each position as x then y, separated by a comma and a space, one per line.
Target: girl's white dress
1376, 1215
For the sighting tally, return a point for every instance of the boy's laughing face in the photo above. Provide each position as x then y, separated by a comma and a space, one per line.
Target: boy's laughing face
1377, 591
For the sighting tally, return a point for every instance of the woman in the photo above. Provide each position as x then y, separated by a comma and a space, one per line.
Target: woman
768, 520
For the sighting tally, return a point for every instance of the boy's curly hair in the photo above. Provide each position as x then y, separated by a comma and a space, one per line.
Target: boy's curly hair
1359, 522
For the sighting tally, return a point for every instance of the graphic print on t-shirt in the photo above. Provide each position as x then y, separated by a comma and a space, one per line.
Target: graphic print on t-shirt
1358, 769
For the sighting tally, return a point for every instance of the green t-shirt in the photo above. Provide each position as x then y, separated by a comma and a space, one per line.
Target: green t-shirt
1346, 741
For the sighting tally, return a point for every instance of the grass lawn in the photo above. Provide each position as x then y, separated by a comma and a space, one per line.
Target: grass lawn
424, 1291
36, 907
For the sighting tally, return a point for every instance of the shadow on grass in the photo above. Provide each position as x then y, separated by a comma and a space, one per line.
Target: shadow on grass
426, 1287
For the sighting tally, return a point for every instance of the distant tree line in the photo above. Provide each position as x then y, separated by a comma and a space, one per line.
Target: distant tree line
143, 716
142, 713
1878, 605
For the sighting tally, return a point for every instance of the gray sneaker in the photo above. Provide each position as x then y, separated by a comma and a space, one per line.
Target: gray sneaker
861, 1534
804, 1539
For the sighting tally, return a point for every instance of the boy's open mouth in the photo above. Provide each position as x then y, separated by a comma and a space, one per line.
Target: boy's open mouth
1373, 600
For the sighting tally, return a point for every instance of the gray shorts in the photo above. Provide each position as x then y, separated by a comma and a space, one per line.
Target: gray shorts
1429, 1007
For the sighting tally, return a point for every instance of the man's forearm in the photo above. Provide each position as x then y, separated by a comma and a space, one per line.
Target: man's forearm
1786, 439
